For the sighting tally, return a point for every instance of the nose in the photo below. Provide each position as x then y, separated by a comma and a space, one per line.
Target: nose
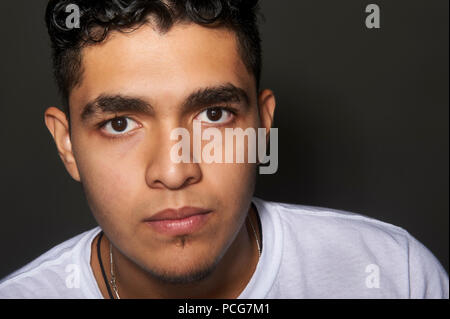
162, 172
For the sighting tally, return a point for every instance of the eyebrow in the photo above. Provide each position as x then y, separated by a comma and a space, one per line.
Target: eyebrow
105, 103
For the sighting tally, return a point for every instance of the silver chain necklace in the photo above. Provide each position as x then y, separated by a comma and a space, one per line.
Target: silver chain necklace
113, 277
256, 237
111, 262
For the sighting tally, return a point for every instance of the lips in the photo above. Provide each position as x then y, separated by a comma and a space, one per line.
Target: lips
183, 221
176, 214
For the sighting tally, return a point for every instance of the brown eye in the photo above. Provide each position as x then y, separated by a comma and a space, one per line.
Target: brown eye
214, 114
119, 124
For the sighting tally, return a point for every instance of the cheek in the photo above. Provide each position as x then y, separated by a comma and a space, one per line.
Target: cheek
229, 177
109, 191
232, 183
108, 181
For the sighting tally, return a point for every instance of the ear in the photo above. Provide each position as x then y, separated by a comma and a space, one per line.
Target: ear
57, 124
266, 104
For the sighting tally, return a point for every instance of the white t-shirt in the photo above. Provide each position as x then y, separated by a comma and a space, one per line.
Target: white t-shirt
307, 252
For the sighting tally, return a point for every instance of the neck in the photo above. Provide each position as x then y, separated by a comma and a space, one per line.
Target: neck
227, 281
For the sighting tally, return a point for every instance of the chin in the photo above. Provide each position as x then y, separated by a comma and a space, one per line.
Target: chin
184, 274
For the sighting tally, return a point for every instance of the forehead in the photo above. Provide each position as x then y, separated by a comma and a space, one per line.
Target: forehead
159, 66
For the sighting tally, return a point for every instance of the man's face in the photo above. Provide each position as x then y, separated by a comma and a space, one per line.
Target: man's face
157, 83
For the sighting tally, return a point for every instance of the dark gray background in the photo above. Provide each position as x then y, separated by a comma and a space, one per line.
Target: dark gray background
362, 117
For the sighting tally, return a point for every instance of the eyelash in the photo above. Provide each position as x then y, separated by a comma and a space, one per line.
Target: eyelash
102, 124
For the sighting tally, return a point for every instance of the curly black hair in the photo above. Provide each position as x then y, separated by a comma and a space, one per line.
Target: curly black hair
99, 17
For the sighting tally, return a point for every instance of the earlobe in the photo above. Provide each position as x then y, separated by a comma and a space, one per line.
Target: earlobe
58, 126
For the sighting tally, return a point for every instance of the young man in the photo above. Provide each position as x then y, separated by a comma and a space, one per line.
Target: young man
130, 74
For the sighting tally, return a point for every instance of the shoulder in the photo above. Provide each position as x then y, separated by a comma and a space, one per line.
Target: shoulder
54, 273
337, 236
335, 224
347, 246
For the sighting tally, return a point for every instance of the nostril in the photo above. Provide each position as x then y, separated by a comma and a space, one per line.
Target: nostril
187, 182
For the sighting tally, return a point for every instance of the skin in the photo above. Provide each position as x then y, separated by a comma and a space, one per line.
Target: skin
130, 178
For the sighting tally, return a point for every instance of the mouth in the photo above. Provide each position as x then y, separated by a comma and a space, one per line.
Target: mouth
176, 222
